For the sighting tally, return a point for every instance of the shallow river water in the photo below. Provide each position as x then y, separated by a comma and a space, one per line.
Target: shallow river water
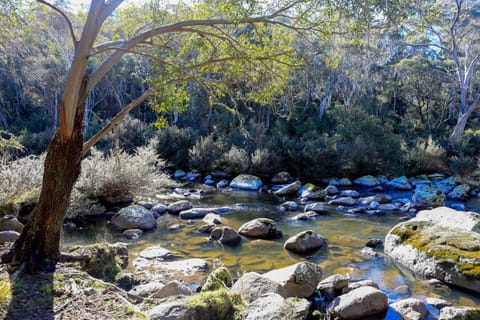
346, 236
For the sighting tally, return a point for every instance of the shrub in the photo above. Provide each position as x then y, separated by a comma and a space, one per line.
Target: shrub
174, 144
206, 153
115, 175
20, 176
128, 135
264, 162
462, 166
235, 161
425, 157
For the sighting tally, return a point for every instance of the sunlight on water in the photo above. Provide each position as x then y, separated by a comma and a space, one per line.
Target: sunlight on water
346, 237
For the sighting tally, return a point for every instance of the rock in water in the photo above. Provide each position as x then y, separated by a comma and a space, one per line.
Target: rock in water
367, 181
358, 304
305, 242
225, 235
412, 309
246, 182
134, 217
441, 244
177, 207
261, 228
289, 189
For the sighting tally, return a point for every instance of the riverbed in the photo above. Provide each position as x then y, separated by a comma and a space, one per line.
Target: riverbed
346, 236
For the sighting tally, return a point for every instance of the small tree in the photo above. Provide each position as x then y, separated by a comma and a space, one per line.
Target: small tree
187, 44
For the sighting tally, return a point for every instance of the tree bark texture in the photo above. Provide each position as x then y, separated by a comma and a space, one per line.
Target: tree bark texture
39, 245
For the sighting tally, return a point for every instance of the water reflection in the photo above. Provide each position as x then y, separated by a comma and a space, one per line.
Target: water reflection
346, 236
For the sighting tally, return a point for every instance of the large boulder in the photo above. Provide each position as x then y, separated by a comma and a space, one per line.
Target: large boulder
246, 182
358, 304
298, 280
252, 285
400, 183
10, 223
225, 235
267, 307
134, 217
428, 196
177, 207
435, 246
290, 189
367, 181
195, 213
261, 228
304, 242
411, 309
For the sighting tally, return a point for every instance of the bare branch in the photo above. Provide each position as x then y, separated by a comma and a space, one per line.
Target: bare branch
69, 23
116, 120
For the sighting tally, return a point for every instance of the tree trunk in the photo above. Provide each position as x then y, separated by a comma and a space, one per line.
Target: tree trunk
39, 245
459, 128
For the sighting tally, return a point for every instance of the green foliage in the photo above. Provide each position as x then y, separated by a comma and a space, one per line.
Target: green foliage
219, 304
220, 278
426, 156
235, 161
174, 144
205, 153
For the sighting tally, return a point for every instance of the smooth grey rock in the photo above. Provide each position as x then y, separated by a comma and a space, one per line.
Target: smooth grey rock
296, 308
316, 207
335, 282
289, 206
246, 182
252, 285
134, 217
400, 183
225, 235
358, 304
268, 307
195, 213
10, 223
159, 208
171, 308
298, 280
350, 193
132, 233
173, 288
331, 191
357, 284
459, 313
8, 236
304, 242
261, 228
290, 189
368, 252
304, 216
367, 181
342, 201
411, 309
178, 174
380, 198
147, 289
177, 207
212, 218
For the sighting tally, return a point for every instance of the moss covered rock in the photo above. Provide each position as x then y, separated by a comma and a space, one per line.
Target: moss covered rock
218, 279
434, 250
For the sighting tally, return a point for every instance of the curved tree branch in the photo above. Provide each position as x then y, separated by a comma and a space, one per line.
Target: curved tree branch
69, 23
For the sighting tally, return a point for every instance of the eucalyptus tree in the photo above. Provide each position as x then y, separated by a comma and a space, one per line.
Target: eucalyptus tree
452, 28
200, 41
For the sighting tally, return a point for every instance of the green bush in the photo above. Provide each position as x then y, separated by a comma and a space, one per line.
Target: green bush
462, 166
174, 144
235, 161
426, 156
206, 153
264, 162
128, 135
